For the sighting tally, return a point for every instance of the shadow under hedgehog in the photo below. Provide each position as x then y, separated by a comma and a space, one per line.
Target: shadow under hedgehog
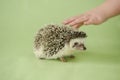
56, 42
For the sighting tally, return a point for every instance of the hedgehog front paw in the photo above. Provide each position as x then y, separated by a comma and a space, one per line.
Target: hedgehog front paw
63, 59
42, 58
72, 56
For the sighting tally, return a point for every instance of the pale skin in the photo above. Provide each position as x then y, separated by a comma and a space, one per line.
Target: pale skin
98, 15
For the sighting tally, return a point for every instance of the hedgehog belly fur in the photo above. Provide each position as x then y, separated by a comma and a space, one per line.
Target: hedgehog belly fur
65, 51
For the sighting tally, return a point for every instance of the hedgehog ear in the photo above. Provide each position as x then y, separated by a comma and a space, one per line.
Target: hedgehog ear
82, 34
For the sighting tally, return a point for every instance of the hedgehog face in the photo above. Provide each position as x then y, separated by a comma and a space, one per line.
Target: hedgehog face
77, 44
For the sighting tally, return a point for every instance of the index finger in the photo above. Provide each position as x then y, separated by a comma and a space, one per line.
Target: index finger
67, 21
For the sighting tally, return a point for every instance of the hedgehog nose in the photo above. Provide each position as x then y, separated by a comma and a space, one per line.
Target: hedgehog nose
84, 48
82, 45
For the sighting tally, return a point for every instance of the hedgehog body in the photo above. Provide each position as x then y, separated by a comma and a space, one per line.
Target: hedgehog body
54, 41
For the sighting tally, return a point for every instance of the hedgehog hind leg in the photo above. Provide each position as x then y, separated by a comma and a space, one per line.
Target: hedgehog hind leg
71, 56
41, 58
63, 59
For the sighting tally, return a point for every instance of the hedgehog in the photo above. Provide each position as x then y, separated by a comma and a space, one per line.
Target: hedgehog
58, 41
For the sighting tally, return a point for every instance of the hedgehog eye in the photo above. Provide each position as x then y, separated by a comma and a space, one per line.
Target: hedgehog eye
76, 43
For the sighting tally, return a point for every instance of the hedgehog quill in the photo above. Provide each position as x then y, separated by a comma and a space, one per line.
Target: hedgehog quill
57, 42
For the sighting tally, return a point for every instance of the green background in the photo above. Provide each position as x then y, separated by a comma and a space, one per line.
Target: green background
19, 21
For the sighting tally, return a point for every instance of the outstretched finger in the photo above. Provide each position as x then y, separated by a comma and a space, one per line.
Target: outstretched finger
80, 20
70, 20
78, 25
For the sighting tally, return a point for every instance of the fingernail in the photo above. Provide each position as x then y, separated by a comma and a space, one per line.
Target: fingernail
64, 23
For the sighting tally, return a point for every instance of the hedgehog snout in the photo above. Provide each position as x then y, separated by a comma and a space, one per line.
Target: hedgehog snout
82, 46
79, 46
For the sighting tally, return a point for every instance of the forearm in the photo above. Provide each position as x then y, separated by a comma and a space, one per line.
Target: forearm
110, 8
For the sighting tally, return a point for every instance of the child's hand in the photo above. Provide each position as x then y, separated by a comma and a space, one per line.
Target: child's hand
75, 21
91, 17
98, 15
